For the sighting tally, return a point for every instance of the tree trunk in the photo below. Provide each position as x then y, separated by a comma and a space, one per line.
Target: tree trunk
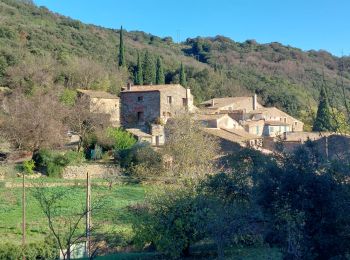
186, 251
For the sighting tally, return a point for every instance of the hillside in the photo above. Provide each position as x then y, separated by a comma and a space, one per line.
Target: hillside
39, 48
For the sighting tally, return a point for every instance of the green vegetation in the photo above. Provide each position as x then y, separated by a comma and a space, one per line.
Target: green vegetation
323, 121
77, 55
114, 220
159, 72
138, 71
52, 163
121, 57
149, 69
182, 75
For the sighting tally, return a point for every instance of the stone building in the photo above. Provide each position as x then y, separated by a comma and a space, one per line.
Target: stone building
144, 105
101, 102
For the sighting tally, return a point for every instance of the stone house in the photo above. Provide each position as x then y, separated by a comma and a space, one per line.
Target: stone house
230, 104
142, 105
101, 102
217, 121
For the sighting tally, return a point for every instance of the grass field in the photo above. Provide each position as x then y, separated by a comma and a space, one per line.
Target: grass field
115, 220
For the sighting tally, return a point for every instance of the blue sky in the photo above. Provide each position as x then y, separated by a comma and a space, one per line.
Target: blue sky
306, 24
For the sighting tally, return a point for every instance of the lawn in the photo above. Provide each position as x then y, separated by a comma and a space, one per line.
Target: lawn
114, 219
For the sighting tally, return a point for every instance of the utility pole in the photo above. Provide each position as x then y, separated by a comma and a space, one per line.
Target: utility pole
23, 217
88, 213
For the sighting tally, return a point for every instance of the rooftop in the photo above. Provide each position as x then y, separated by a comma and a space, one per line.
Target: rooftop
209, 116
97, 94
276, 123
148, 88
232, 135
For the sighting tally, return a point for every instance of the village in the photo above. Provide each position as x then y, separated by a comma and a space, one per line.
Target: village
235, 121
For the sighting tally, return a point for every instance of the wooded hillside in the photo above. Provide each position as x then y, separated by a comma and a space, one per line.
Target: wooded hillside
39, 48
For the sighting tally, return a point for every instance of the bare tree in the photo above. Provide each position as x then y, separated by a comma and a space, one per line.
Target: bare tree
193, 152
34, 122
84, 122
66, 225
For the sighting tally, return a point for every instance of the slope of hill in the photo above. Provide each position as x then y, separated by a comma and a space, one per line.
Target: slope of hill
40, 48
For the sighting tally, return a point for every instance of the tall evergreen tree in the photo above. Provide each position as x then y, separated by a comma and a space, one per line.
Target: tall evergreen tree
182, 75
121, 57
138, 72
149, 69
323, 121
160, 79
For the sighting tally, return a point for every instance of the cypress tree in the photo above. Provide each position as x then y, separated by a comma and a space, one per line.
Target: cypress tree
139, 73
160, 79
121, 57
323, 121
182, 75
149, 69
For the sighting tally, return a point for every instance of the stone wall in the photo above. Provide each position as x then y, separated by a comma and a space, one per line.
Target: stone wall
178, 103
95, 171
110, 107
134, 102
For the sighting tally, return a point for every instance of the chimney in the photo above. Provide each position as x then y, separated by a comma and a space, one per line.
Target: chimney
212, 102
255, 102
128, 87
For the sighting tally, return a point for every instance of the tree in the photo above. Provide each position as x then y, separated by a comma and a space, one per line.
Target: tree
323, 121
160, 79
83, 122
182, 76
66, 226
149, 69
192, 151
121, 57
139, 72
35, 122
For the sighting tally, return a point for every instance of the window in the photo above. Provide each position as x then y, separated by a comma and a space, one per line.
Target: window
272, 129
169, 99
140, 116
184, 102
257, 129
140, 98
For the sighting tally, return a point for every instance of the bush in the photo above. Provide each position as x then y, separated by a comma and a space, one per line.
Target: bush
33, 251
122, 139
29, 166
140, 160
53, 163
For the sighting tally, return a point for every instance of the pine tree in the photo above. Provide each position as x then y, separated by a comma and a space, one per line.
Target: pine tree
121, 57
323, 121
159, 72
182, 75
149, 69
138, 72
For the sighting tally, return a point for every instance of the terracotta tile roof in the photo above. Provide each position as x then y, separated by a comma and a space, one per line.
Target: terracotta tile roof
147, 88
209, 116
253, 122
221, 102
232, 135
271, 111
97, 94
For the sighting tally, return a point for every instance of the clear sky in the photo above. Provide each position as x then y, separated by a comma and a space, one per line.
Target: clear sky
306, 24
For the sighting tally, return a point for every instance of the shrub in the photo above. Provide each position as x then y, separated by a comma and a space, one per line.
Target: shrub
122, 139
53, 163
140, 160
29, 166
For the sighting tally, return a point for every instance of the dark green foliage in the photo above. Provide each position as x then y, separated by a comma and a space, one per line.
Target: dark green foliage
121, 57
323, 121
149, 69
182, 76
160, 79
52, 163
138, 73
